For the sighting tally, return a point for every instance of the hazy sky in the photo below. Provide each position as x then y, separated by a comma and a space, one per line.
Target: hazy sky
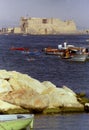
12, 10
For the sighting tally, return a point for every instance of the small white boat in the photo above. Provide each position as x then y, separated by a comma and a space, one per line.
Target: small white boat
79, 58
16, 121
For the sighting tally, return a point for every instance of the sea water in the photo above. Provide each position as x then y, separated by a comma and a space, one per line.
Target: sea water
74, 75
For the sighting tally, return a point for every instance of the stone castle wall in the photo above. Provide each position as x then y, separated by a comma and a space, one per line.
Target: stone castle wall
46, 26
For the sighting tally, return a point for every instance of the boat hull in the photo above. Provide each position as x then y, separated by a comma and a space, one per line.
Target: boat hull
53, 51
79, 58
16, 124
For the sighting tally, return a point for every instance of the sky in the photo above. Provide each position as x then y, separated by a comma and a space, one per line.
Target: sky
12, 10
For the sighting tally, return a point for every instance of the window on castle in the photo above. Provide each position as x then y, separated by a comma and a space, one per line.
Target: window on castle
44, 21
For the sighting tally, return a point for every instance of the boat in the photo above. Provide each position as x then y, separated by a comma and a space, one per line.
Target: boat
87, 40
78, 58
16, 121
57, 51
75, 54
34, 52
19, 49
26, 50
52, 51
68, 52
87, 51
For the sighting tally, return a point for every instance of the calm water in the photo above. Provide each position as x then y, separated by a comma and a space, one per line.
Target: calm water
44, 67
62, 122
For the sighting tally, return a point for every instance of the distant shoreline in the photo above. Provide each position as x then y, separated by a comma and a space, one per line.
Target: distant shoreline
44, 34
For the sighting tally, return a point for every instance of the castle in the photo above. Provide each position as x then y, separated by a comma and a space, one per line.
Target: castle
44, 26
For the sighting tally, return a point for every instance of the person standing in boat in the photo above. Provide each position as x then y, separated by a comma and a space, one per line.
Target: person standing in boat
65, 45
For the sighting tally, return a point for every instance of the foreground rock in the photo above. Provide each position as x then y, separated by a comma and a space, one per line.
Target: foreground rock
22, 93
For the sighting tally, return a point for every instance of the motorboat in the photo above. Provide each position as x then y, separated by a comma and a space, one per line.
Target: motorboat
57, 51
75, 54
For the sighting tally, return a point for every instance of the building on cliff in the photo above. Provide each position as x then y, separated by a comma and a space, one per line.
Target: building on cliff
45, 26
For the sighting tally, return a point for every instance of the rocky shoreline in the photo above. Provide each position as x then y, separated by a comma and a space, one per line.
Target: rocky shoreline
20, 93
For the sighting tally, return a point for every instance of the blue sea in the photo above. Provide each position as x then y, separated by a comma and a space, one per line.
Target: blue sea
74, 75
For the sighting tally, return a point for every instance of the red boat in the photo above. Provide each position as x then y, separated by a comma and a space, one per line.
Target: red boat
19, 48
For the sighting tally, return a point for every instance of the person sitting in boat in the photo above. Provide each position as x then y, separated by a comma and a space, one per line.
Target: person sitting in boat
66, 54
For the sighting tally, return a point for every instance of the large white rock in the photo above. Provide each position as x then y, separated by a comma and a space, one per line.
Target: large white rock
27, 98
18, 80
23, 90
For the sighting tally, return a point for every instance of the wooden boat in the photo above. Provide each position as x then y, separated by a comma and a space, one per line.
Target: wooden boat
16, 122
57, 51
68, 52
52, 51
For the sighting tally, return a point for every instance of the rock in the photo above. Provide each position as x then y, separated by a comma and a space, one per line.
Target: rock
48, 84
26, 92
4, 74
4, 86
27, 98
19, 80
63, 97
69, 91
49, 87
6, 107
